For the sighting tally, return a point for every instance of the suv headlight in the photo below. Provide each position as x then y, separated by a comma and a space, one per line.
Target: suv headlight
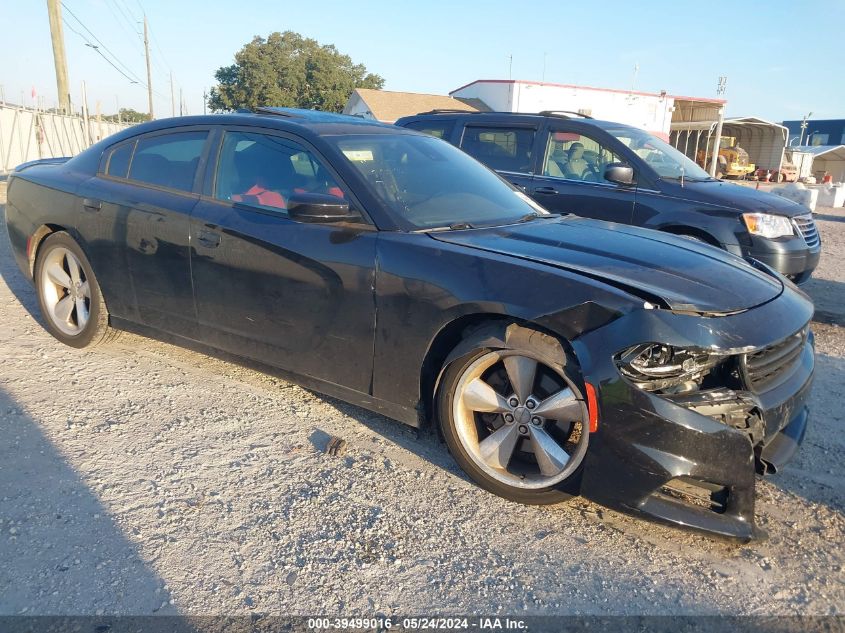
767, 225
659, 367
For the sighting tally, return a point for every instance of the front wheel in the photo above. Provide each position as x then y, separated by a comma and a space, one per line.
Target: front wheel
516, 421
68, 293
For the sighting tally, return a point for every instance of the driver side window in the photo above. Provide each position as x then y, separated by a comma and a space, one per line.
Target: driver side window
573, 156
265, 171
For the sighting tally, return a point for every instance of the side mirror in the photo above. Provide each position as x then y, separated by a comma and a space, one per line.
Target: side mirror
620, 173
319, 208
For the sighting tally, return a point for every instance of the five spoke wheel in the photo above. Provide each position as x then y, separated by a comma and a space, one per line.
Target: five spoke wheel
520, 420
66, 292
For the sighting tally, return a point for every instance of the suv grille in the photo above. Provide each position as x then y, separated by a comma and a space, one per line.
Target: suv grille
807, 227
763, 368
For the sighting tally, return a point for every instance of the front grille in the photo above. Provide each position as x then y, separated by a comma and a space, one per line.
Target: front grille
806, 226
764, 367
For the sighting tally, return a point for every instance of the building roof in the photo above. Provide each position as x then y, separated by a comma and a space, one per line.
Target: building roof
388, 106
543, 83
752, 120
837, 152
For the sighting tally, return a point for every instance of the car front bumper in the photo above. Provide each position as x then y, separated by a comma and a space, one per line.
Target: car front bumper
792, 257
649, 446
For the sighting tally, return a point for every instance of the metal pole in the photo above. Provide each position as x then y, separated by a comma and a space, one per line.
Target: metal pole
59, 59
172, 98
714, 161
149, 70
87, 131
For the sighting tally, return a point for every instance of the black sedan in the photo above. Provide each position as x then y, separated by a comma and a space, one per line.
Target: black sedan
558, 355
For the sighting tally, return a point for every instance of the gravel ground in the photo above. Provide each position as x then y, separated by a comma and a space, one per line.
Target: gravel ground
143, 477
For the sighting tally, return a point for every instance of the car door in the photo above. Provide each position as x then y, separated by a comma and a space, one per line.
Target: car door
570, 178
135, 217
505, 147
295, 295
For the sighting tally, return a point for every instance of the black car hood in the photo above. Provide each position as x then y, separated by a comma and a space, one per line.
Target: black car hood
684, 275
739, 197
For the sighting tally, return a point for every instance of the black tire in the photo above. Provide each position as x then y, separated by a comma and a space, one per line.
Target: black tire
530, 344
96, 329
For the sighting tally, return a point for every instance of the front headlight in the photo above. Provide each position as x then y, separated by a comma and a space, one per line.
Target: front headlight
767, 225
658, 367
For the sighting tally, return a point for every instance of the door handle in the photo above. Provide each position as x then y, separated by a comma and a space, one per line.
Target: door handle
518, 186
545, 190
209, 239
92, 205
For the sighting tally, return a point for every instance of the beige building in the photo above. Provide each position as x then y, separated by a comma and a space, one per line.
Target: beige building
387, 106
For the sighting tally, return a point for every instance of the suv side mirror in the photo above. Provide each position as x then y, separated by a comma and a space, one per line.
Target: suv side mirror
320, 208
620, 173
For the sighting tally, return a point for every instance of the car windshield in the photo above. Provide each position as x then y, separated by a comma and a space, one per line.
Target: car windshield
431, 184
661, 157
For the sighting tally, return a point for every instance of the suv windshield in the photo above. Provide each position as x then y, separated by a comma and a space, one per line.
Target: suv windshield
660, 156
431, 184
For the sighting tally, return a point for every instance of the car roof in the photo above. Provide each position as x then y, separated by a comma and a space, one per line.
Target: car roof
573, 117
303, 122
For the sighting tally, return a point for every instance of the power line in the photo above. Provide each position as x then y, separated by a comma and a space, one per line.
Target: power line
106, 48
96, 48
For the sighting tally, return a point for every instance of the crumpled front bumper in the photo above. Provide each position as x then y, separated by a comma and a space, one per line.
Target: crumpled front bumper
647, 445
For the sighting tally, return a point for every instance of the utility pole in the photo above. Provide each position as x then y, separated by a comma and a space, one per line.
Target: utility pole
804, 128
172, 98
58, 38
721, 88
181, 103
149, 71
204, 99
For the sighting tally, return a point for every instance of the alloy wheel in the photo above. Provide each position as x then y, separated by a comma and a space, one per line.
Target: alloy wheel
520, 420
66, 292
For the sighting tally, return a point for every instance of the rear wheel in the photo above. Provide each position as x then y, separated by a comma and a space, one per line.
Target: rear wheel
516, 422
69, 295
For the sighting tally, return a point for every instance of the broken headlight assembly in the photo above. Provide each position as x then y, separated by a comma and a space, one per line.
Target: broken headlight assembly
667, 369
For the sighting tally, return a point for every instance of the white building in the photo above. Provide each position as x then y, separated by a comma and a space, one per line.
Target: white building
650, 111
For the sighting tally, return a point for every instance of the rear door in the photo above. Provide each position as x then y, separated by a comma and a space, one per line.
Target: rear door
135, 218
505, 147
570, 178
294, 295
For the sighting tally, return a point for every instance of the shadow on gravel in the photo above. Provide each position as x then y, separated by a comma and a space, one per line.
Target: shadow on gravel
815, 473
20, 287
829, 298
829, 217
61, 552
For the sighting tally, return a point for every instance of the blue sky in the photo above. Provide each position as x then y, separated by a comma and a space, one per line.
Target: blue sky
782, 58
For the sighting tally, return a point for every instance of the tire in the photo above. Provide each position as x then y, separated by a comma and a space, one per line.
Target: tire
555, 393
68, 294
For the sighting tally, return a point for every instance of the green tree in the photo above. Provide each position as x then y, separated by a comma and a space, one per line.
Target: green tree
289, 70
128, 115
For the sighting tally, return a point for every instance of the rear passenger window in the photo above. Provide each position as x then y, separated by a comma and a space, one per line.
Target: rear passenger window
118, 161
500, 148
440, 129
168, 160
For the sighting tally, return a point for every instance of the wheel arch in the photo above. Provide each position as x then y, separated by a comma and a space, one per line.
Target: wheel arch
37, 239
446, 347
681, 230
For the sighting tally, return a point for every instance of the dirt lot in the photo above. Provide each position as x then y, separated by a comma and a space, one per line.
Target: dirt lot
142, 477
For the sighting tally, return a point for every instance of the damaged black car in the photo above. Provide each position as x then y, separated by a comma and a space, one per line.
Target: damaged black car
557, 355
